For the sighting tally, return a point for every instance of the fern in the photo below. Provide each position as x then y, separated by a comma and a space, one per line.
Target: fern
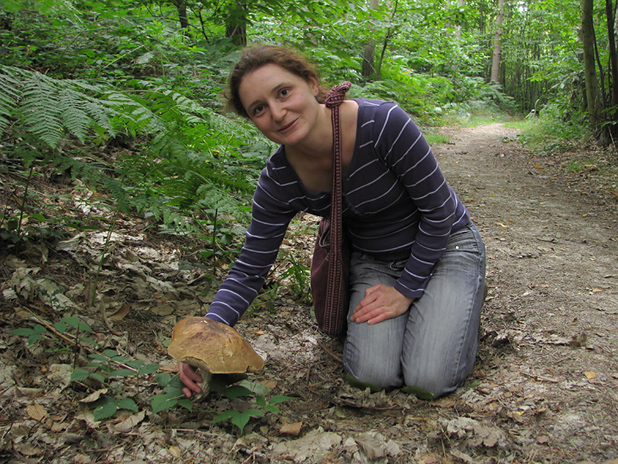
50, 109
40, 109
191, 172
74, 113
8, 99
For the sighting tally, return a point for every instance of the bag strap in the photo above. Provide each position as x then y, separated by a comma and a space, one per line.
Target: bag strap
336, 286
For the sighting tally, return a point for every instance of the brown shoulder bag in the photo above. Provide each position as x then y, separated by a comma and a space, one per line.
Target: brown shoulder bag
331, 256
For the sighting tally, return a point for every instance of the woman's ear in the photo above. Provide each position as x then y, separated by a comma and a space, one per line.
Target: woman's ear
314, 85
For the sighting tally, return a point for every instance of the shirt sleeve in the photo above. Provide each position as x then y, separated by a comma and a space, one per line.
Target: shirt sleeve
406, 152
270, 220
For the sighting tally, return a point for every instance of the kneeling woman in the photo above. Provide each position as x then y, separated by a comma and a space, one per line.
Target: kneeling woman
418, 262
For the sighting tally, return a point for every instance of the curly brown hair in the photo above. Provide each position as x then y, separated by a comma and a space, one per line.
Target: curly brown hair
255, 57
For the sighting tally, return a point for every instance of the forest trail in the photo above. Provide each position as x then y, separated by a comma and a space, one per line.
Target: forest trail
544, 389
549, 351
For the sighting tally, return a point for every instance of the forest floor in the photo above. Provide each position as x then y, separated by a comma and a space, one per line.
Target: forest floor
544, 390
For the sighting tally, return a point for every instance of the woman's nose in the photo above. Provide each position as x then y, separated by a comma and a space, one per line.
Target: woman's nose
278, 112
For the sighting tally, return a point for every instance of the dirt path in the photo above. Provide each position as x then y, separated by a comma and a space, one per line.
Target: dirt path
548, 360
545, 388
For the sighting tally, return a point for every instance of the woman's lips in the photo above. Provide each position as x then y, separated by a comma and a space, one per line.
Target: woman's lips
288, 126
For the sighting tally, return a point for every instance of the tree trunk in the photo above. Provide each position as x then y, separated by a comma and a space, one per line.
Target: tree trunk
592, 85
368, 67
181, 7
369, 54
236, 24
613, 88
495, 62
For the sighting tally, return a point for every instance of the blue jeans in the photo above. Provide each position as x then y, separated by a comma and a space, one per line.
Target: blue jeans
432, 347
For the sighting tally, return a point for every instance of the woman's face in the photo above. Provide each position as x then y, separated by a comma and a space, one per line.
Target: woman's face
282, 105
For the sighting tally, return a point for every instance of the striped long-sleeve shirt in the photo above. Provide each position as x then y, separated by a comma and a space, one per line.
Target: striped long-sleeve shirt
396, 205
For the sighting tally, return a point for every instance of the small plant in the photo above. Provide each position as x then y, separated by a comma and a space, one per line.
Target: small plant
173, 396
62, 329
299, 275
262, 405
106, 367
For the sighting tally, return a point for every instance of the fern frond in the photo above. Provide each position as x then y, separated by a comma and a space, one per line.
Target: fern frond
41, 110
8, 97
100, 114
74, 116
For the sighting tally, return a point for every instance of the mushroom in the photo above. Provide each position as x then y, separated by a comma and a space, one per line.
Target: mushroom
213, 347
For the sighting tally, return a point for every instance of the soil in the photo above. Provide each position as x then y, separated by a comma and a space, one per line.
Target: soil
544, 390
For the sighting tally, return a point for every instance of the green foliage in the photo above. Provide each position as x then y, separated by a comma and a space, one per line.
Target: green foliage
194, 161
105, 369
255, 390
549, 129
299, 276
67, 325
173, 395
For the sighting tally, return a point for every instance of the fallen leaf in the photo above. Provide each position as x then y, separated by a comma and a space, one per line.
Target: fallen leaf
590, 375
291, 428
270, 383
20, 430
168, 368
461, 456
517, 416
542, 439
120, 313
27, 449
128, 423
36, 412
302, 449
94, 396
175, 451
81, 459
501, 225
372, 446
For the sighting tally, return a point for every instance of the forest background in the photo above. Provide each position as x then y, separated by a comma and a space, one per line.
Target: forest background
118, 103
79, 78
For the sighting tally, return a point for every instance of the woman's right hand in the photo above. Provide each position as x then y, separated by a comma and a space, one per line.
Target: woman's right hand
190, 378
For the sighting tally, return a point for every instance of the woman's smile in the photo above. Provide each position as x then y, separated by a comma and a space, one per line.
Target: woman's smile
288, 126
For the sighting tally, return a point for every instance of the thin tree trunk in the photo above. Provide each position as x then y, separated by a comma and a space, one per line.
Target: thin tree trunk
181, 7
390, 33
613, 88
236, 24
495, 62
368, 67
592, 85
460, 4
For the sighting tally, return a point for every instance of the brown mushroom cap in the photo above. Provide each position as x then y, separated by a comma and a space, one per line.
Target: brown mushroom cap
213, 346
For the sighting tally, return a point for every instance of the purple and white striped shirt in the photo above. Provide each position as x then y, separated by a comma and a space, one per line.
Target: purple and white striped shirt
396, 205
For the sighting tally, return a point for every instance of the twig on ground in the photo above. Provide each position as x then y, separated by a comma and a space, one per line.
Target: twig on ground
330, 353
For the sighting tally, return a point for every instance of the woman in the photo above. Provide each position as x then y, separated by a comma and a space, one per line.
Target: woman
418, 262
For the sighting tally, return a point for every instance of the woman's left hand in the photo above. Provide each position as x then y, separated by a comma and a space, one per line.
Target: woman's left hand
381, 302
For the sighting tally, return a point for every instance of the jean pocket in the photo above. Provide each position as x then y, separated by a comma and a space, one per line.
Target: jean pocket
464, 240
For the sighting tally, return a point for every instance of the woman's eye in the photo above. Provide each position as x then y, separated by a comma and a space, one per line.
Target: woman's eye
258, 109
284, 92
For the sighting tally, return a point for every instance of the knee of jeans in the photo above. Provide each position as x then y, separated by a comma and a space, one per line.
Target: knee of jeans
375, 375
432, 383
